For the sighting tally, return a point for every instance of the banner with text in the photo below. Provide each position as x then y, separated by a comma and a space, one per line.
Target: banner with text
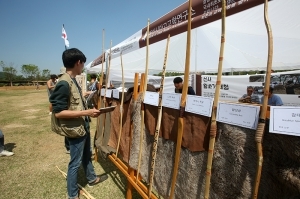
286, 85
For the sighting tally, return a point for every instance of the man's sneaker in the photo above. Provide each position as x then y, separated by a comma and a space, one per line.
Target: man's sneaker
99, 179
67, 151
6, 153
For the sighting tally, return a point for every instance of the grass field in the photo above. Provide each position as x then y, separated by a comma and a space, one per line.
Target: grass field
31, 172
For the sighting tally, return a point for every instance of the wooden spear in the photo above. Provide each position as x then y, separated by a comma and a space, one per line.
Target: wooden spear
183, 101
156, 135
121, 107
99, 99
143, 111
213, 125
262, 119
82, 190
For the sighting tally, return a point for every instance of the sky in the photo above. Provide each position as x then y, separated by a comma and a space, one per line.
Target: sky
31, 29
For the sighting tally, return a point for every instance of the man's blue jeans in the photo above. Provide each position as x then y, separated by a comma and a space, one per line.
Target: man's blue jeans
80, 152
1, 141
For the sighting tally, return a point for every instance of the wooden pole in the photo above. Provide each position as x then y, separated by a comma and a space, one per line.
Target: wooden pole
183, 101
262, 119
99, 98
143, 111
104, 97
121, 107
213, 125
139, 186
156, 135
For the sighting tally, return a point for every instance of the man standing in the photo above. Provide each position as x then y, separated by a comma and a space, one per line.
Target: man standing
273, 100
50, 87
178, 83
249, 97
68, 106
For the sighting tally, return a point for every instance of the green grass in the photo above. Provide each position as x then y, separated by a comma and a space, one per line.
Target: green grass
31, 172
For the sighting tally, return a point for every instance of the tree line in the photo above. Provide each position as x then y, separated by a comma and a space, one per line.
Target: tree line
30, 72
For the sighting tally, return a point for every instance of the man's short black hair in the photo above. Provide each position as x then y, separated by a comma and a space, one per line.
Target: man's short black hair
53, 76
71, 56
271, 89
93, 76
177, 80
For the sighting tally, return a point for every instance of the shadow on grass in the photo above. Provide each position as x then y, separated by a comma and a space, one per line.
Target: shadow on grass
116, 175
109, 169
10, 146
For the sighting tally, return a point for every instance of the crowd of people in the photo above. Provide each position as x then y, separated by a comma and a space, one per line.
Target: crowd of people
249, 97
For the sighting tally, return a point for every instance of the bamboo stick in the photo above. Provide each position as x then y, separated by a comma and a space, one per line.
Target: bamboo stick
143, 112
183, 102
99, 99
261, 125
104, 97
156, 135
84, 191
213, 125
121, 107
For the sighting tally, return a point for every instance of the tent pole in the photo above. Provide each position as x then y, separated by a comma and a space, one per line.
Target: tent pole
99, 99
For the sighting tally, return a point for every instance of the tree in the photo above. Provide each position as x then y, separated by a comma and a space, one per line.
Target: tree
46, 74
10, 71
30, 71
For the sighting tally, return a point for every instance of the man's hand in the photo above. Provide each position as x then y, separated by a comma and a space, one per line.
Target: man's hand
94, 112
87, 93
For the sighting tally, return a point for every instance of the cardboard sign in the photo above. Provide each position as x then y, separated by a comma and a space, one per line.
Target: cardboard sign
102, 92
108, 93
199, 105
171, 100
115, 93
285, 120
151, 98
238, 114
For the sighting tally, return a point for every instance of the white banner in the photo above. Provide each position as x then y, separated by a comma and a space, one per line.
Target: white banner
286, 86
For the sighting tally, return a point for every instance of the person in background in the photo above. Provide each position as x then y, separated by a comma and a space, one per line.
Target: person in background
249, 97
62, 71
37, 86
289, 87
178, 83
63, 94
273, 100
2, 151
93, 85
50, 87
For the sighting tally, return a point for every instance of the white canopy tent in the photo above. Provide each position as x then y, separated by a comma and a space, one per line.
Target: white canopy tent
245, 48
